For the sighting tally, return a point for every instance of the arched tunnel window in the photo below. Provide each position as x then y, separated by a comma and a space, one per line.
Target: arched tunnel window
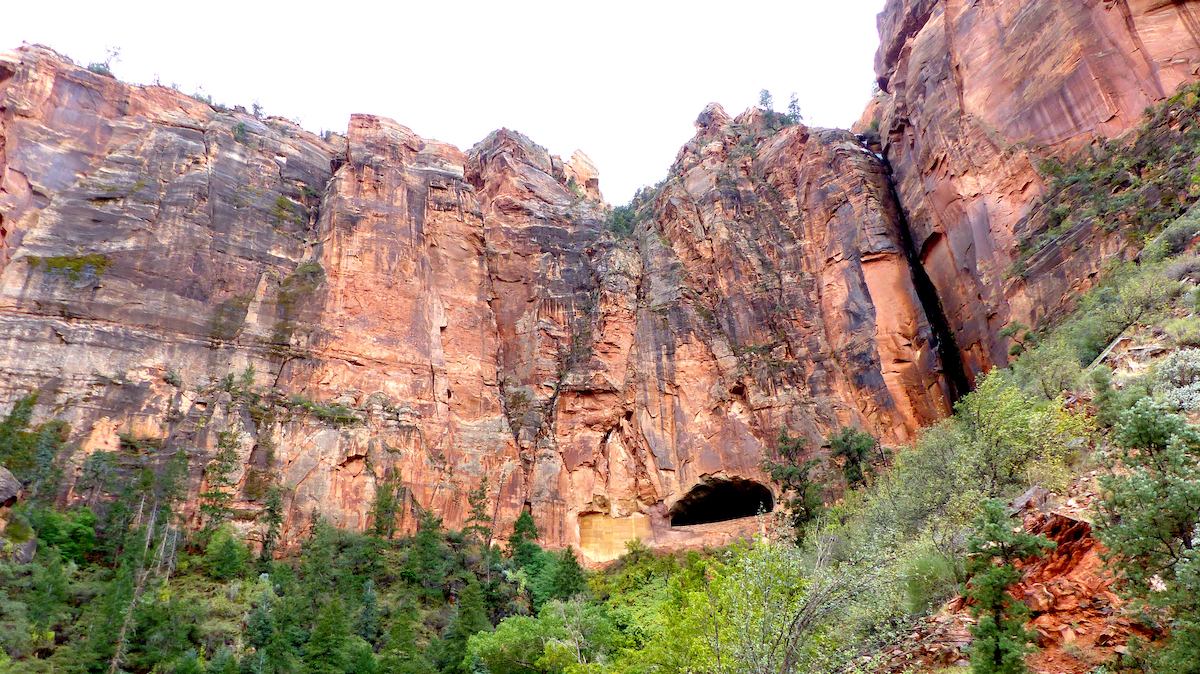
719, 499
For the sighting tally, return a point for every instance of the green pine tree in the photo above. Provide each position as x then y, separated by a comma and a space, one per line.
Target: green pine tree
1001, 640
272, 652
367, 625
1149, 515
215, 501
225, 556
401, 654
317, 556
479, 521
222, 663
470, 618
189, 664
260, 624
426, 562
854, 447
272, 515
327, 649
384, 505
766, 101
361, 658
524, 529
49, 591
793, 113
569, 579
522, 543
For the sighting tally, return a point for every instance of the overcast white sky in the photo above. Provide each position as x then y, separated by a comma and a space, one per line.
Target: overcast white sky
622, 81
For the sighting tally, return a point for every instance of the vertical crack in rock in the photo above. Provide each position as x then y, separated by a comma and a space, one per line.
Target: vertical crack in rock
943, 336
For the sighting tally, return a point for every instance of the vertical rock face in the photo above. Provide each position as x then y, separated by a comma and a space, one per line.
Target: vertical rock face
344, 311
144, 233
787, 244
975, 95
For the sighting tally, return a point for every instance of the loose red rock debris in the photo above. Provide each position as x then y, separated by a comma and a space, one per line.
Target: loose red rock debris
1076, 614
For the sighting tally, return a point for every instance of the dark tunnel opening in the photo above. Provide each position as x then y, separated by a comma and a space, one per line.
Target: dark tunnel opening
719, 499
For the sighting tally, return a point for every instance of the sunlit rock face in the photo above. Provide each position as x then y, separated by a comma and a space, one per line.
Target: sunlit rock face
975, 95
377, 306
352, 310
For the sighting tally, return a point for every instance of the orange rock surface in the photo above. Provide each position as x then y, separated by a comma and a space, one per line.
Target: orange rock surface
975, 95
351, 309
354, 307
1076, 616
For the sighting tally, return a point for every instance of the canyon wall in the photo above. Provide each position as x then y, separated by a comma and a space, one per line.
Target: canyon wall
345, 312
974, 97
352, 312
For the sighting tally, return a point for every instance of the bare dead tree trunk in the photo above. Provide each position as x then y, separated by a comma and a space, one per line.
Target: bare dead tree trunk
141, 574
137, 592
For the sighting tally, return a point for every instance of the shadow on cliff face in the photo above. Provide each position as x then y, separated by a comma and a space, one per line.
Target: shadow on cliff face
719, 499
947, 347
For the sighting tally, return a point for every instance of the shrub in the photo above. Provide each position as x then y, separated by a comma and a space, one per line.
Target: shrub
74, 267
929, 578
1178, 379
1111, 402
1143, 295
1187, 268
1184, 331
1090, 333
1007, 435
334, 414
620, 221
137, 444
283, 210
1173, 240
1048, 369
573, 185
111, 55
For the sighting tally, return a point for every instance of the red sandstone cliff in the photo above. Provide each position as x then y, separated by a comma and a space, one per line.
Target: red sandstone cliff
411, 309
974, 96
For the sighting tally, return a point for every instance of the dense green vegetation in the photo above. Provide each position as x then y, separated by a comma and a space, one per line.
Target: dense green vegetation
132, 590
